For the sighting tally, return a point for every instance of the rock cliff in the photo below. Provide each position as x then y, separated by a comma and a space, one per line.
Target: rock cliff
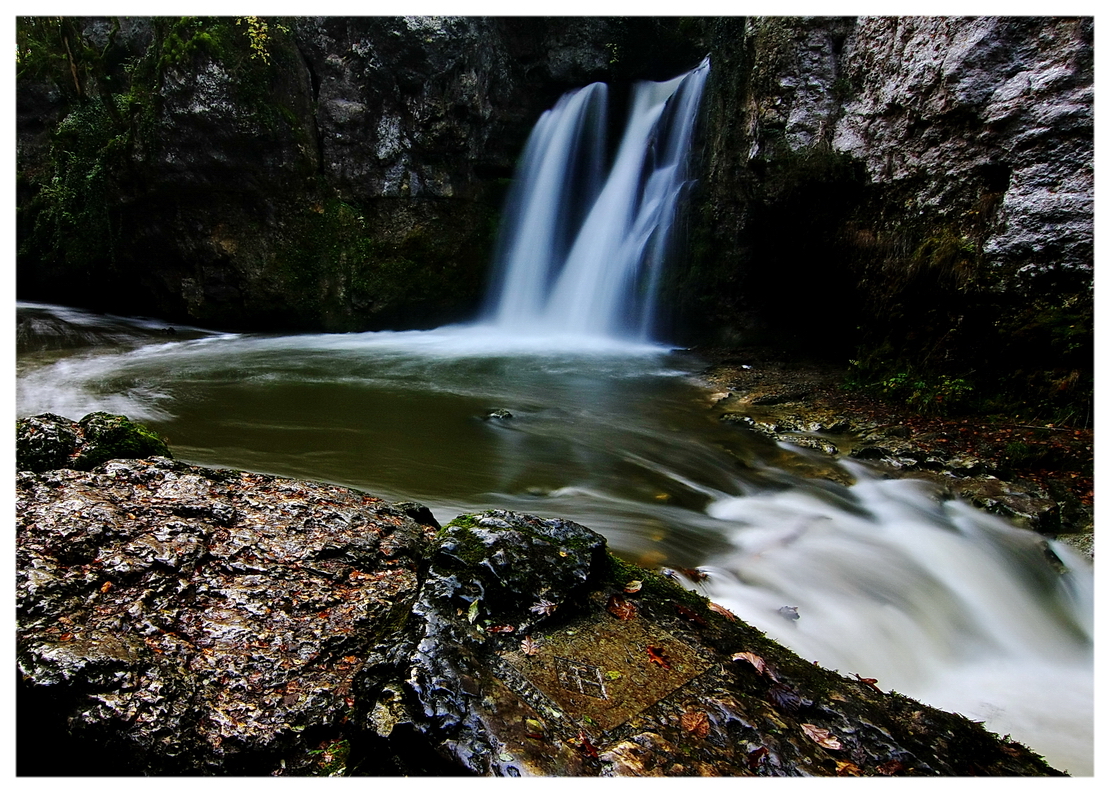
913, 193
309, 173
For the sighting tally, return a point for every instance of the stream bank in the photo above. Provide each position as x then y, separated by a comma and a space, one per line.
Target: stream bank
1039, 477
175, 619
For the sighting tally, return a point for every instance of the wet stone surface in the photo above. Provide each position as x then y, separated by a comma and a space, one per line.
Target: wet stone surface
48, 441
575, 663
172, 619
189, 619
602, 669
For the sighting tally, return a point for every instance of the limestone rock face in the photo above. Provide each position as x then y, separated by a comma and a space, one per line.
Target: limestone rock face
923, 185
944, 103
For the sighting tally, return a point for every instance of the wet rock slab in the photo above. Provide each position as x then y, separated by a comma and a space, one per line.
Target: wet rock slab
190, 619
541, 654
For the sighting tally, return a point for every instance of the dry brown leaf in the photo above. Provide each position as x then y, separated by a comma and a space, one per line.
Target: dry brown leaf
585, 746
544, 607
821, 736
868, 681
753, 659
696, 723
890, 768
728, 615
529, 646
755, 757
621, 608
695, 574
845, 768
656, 655
689, 614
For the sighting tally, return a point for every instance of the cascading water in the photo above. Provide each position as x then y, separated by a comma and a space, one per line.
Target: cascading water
565, 271
891, 579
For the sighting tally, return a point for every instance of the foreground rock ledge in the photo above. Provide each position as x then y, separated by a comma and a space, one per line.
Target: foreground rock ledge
173, 619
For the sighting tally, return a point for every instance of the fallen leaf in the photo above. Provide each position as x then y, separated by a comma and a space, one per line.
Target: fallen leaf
870, 681
620, 608
472, 612
890, 768
755, 757
106, 587
544, 607
784, 697
845, 768
656, 656
696, 723
694, 574
728, 615
753, 659
585, 746
529, 646
500, 629
821, 736
633, 586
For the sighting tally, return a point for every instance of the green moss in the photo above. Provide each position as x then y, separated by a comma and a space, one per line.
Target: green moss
467, 547
342, 260
655, 586
111, 437
330, 758
70, 221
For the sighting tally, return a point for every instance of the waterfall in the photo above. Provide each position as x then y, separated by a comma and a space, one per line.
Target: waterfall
580, 250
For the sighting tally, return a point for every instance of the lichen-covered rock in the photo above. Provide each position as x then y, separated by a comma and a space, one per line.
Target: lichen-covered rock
189, 620
44, 442
48, 441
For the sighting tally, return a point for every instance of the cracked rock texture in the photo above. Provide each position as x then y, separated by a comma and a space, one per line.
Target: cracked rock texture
914, 193
190, 620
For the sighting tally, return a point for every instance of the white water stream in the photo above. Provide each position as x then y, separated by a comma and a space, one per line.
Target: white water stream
890, 579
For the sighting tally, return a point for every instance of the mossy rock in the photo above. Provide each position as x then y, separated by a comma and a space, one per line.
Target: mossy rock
47, 441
